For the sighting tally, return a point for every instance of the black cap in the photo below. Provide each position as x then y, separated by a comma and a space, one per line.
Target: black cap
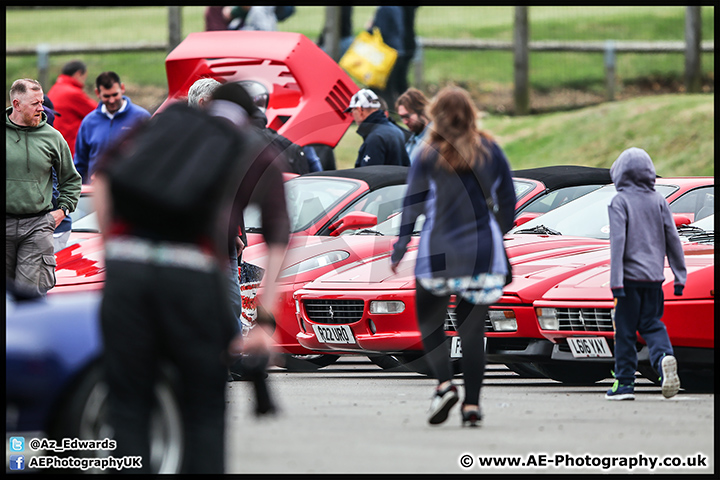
234, 92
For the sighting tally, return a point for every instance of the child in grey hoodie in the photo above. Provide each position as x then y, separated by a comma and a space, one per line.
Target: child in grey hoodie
642, 234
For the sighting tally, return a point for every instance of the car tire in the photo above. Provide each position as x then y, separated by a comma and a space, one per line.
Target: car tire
416, 362
649, 373
83, 415
525, 370
574, 373
306, 363
697, 381
391, 363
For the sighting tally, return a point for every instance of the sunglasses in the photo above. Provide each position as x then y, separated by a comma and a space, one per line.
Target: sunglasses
406, 116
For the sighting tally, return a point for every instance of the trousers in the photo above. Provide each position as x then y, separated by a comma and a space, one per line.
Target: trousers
152, 314
640, 310
29, 255
432, 310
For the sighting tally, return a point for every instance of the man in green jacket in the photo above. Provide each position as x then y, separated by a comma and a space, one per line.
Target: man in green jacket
32, 149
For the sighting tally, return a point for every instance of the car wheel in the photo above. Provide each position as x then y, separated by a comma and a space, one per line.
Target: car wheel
416, 362
390, 363
574, 373
525, 370
697, 381
84, 415
307, 363
650, 373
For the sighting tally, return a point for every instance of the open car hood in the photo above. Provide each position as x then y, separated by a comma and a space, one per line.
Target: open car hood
307, 90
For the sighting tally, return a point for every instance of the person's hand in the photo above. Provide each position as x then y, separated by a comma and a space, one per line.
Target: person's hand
58, 216
240, 245
394, 266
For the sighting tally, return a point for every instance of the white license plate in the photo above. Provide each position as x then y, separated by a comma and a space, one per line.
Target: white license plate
456, 348
334, 333
583, 347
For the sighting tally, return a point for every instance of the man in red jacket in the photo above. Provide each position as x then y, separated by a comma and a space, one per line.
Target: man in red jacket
71, 101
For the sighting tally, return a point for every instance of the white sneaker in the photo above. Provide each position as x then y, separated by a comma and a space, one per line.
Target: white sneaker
670, 379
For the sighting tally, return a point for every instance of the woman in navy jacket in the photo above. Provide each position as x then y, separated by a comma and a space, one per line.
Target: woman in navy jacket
461, 247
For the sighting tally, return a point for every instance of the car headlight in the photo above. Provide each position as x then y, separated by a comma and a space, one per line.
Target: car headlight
503, 320
318, 261
386, 306
547, 318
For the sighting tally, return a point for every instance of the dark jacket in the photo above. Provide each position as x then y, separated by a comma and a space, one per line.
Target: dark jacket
459, 237
384, 143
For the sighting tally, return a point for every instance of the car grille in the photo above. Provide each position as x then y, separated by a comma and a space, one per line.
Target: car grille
585, 319
334, 312
451, 321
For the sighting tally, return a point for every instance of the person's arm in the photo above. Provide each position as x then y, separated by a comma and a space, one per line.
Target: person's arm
413, 206
618, 225
69, 182
506, 199
82, 153
674, 249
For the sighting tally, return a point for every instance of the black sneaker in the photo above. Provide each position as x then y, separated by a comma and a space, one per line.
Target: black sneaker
442, 402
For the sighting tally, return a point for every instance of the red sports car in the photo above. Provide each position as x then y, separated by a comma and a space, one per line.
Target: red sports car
577, 316
537, 190
368, 309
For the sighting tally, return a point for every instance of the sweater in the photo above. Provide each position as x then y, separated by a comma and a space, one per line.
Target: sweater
31, 153
642, 230
97, 130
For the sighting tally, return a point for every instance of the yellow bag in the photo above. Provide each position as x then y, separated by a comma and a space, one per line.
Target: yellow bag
369, 59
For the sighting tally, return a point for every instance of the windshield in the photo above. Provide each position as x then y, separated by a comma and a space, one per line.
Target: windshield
88, 223
308, 199
586, 216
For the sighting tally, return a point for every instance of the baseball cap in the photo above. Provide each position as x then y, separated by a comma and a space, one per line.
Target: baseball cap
364, 98
50, 110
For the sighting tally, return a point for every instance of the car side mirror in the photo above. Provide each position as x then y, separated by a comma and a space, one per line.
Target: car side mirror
352, 221
681, 219
525, 217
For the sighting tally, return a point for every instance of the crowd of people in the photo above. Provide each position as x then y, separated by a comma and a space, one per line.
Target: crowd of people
181, 284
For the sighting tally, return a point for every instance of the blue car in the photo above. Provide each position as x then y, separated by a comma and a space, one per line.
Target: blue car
54, 382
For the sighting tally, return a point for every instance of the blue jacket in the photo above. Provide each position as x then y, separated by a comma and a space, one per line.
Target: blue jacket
642, 230
460, 237
97, 130
384, 143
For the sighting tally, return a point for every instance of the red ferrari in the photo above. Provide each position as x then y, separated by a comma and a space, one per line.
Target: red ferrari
576, 315
368, 309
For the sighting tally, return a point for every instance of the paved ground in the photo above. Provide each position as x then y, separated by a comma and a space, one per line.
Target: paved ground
353, 417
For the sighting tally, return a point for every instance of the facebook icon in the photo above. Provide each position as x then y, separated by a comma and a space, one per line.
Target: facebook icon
17, 462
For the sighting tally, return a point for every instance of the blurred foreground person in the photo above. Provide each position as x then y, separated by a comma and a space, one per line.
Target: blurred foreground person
461, 249
164, 204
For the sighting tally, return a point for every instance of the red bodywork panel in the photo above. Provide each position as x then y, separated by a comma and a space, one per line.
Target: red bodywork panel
307, 89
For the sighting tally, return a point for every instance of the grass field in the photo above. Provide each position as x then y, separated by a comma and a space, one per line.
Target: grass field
677, 130
93, 25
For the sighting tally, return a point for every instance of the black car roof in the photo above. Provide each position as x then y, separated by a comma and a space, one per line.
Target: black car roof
558, 176
376, 176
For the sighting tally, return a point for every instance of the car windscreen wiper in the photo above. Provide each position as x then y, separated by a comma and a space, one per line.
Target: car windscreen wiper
539, 229
368, 231
705, 237
689, 230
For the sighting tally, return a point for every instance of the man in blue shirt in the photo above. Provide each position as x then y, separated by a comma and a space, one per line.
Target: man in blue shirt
114, 116
411, 108
384, 143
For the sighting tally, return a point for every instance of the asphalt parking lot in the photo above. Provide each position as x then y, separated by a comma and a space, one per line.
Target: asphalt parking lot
353, 417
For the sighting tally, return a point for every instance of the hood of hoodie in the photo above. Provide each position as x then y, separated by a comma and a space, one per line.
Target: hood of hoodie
633, 170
